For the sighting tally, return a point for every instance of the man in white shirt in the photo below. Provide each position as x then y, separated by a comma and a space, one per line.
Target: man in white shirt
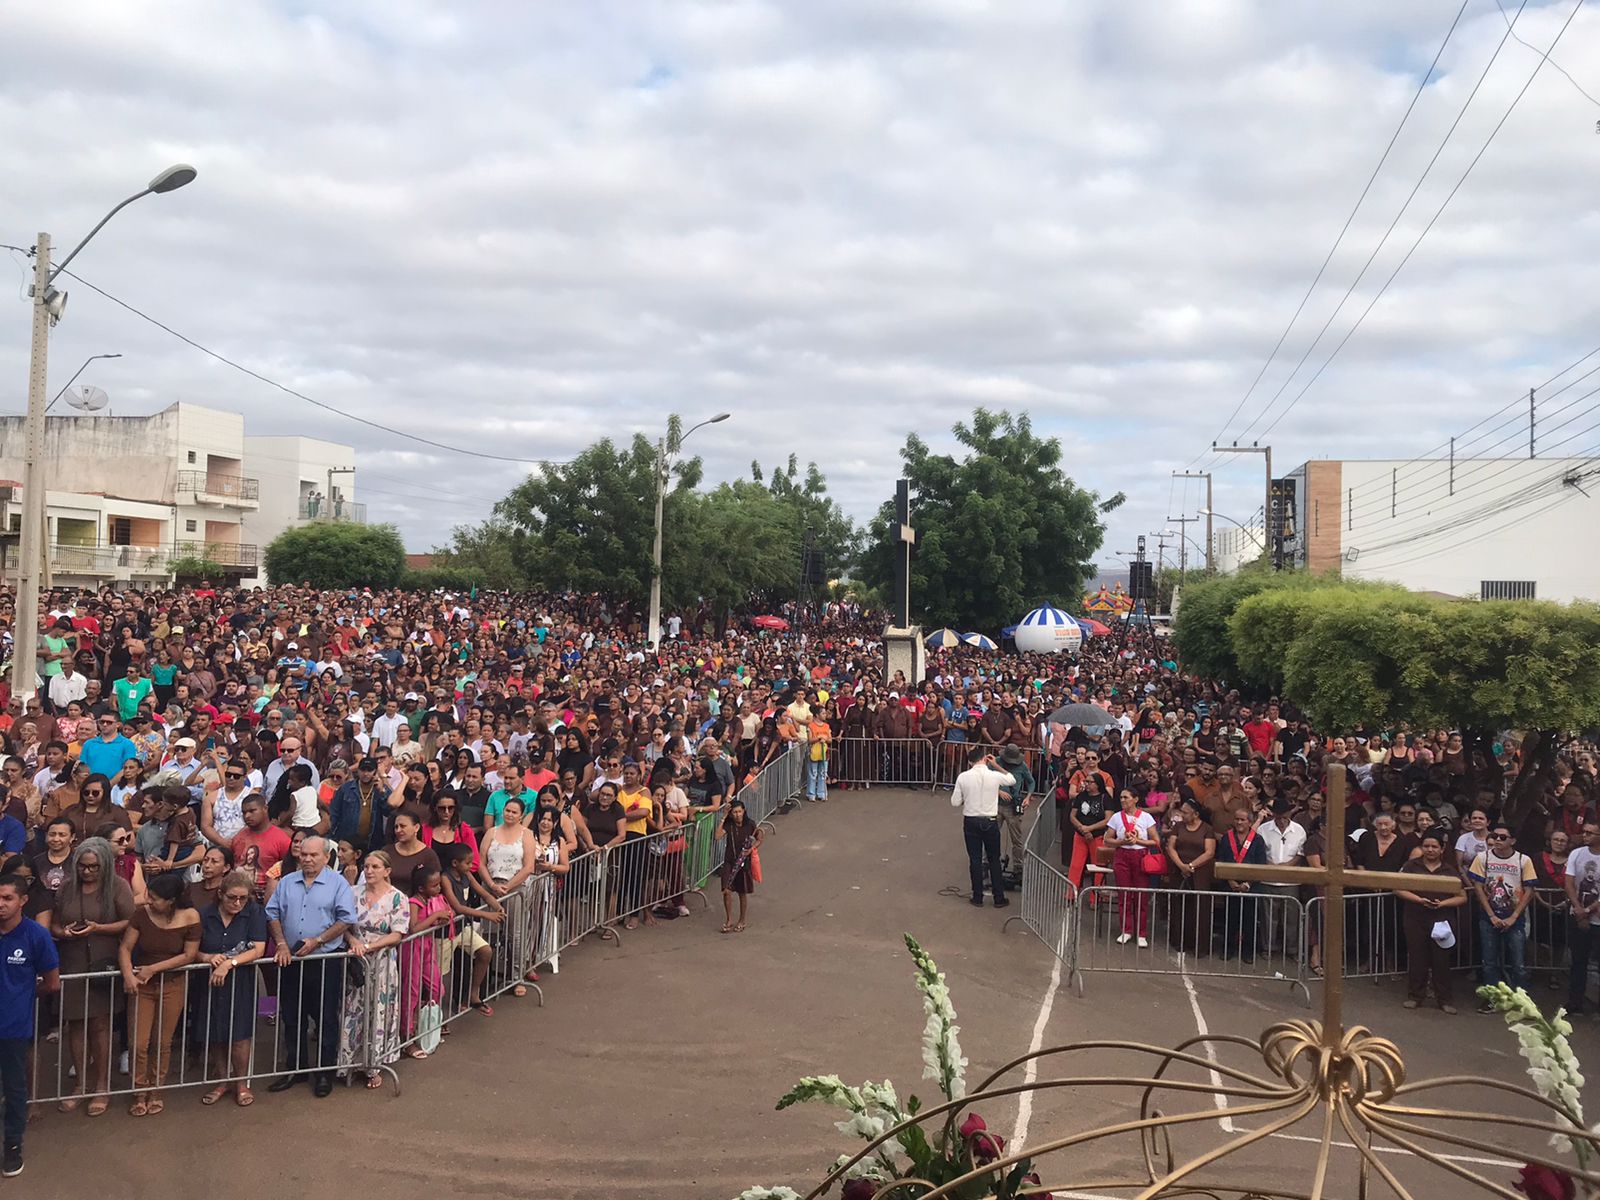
1583, 890
1285, 839
383, 728
977, 795
68, 686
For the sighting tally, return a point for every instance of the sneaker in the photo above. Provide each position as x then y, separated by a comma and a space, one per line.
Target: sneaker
122, 1063
1486, 1008
1002, 904
1409, 1003
1125, 939
1144, 943
1448, 1009
976, 902
683, 910
11, 1164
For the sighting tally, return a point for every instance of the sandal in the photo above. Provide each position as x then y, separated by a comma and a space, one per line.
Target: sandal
519, 990
631, 923
483, 1007
416, 1052
215, 1094
727, 929
739, 928
374, 1081
155, 1105
97, 1106
244, 1096
139, 1107
70, 1104
531, 977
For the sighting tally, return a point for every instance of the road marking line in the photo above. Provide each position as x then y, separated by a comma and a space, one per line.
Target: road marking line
1030, 1071
1204, 1031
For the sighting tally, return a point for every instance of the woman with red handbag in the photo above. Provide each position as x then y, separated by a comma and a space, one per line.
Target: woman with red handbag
1132, 832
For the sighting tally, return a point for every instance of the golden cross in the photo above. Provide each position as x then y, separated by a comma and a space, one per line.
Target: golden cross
1335, 877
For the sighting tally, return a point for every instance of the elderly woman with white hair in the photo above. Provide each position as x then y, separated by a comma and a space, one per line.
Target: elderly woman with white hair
91, 913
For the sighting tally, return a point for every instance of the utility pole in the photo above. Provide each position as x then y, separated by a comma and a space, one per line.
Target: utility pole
1206, 475
1266, 503
1531, 421
1183, 540
30, 545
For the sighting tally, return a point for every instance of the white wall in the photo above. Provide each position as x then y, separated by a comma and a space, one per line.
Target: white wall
1234, 546
288, 467
1507, 519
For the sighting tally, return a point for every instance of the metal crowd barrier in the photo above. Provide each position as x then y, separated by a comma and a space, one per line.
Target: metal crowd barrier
195, 1035
915, 762
1049, 907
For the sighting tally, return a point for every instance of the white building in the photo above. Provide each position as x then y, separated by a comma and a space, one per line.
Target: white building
1488, 528
188, 463
301, 479
1232, 546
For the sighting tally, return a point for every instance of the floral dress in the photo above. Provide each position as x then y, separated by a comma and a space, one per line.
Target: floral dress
375, 918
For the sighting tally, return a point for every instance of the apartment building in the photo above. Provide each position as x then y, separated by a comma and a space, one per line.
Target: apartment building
180, 481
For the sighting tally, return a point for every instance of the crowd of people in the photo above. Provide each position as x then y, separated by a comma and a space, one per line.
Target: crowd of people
223, 798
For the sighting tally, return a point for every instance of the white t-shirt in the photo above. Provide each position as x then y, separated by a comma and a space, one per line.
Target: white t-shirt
1583, 867
1143, 825
1469, 845
305, 815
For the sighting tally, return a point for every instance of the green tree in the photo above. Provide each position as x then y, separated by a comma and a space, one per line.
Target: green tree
336, 554
1200, 629
837, 537
486, 554
998, 531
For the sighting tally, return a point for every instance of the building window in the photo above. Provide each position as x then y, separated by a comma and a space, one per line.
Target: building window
121, 531
189, 526
1508, 589
191, 457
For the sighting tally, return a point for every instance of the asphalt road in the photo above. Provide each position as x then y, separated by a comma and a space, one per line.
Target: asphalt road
654, 1067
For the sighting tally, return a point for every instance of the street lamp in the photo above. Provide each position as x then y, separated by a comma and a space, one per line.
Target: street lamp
661, 499
1211, 512
74, 378
49, 305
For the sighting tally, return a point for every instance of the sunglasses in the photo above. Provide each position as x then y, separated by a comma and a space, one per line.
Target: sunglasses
235, 774
444, 808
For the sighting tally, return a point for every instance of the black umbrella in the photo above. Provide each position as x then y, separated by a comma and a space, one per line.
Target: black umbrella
1082, 714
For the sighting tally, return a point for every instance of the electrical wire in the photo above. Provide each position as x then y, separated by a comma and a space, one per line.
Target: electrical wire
1581, 89
298, 395
1344, 229
1476, 158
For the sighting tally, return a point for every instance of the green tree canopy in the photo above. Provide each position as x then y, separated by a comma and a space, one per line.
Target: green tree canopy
337, 554
999, 531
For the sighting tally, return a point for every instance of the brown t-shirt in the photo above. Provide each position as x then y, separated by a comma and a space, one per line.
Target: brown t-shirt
84, 824
157, 942
403, 866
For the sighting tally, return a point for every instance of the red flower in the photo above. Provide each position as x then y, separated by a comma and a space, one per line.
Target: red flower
1031, 1179
1545, 1183
986, 1147
859, 1189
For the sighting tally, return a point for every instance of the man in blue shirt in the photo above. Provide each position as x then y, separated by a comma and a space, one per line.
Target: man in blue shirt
106, 754
309, 915
29, 968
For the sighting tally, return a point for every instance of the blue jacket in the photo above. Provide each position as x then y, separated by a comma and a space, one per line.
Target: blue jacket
344, 816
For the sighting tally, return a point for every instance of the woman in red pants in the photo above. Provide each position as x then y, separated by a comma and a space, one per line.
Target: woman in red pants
1133, 832
1086, 814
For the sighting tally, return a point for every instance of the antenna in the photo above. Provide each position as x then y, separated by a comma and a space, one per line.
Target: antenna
88, 398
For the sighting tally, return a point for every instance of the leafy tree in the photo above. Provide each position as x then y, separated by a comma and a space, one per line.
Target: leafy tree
336, 554
999, 531
485, 554
1200, 629
837, 538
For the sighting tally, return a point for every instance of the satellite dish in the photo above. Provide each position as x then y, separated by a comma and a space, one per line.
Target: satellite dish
89, 398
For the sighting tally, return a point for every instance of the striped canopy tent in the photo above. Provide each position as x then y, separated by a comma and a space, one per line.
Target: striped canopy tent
941, 639
978, 640
1047, 630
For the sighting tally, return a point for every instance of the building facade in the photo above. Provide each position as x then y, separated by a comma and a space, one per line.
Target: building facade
179, 481
1490, 528
1233, 545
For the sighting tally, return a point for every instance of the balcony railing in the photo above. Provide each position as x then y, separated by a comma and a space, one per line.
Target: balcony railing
92, 560
219, 489
320, 508
233, 555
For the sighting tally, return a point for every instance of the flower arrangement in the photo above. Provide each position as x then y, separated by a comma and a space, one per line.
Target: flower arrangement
1553, 1067
874, 1110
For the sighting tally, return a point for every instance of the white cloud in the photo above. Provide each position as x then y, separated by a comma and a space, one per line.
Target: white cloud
520, 227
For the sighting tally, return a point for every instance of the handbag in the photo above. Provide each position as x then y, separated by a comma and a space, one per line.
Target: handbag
355, 973
1152, 863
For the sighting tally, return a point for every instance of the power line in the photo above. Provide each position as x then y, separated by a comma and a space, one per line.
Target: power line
1344, 229
285, 388
1393, 275
1542, 54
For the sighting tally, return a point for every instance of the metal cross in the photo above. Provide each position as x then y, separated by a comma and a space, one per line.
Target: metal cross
906, 537
1335, 877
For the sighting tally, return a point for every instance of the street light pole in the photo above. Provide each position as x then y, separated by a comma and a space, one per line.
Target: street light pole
1206, 512
48, 306
661, 500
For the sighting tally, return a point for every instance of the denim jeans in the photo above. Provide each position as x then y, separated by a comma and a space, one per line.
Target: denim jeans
816, 780
1512, 942
982, 835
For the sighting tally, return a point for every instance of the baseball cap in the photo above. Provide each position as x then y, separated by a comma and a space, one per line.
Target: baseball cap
412, 696
367, 764
182, 742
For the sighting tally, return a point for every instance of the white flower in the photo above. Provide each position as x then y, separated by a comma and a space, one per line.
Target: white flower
768, 1193
1552, 1066
867, 1126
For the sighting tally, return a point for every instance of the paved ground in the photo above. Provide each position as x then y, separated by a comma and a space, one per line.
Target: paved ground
654, 1067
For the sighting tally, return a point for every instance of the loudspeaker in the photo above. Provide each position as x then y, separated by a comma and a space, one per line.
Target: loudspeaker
1141, 581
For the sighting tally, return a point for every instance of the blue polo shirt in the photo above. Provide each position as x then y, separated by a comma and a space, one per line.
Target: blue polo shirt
106, 758
305, 910
26, 953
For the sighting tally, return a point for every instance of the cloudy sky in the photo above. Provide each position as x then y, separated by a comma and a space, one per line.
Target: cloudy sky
515, 228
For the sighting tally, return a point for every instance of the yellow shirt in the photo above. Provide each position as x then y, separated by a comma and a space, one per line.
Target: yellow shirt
636, 805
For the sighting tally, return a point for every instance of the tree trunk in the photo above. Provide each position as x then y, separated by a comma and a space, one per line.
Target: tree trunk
1539, 750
